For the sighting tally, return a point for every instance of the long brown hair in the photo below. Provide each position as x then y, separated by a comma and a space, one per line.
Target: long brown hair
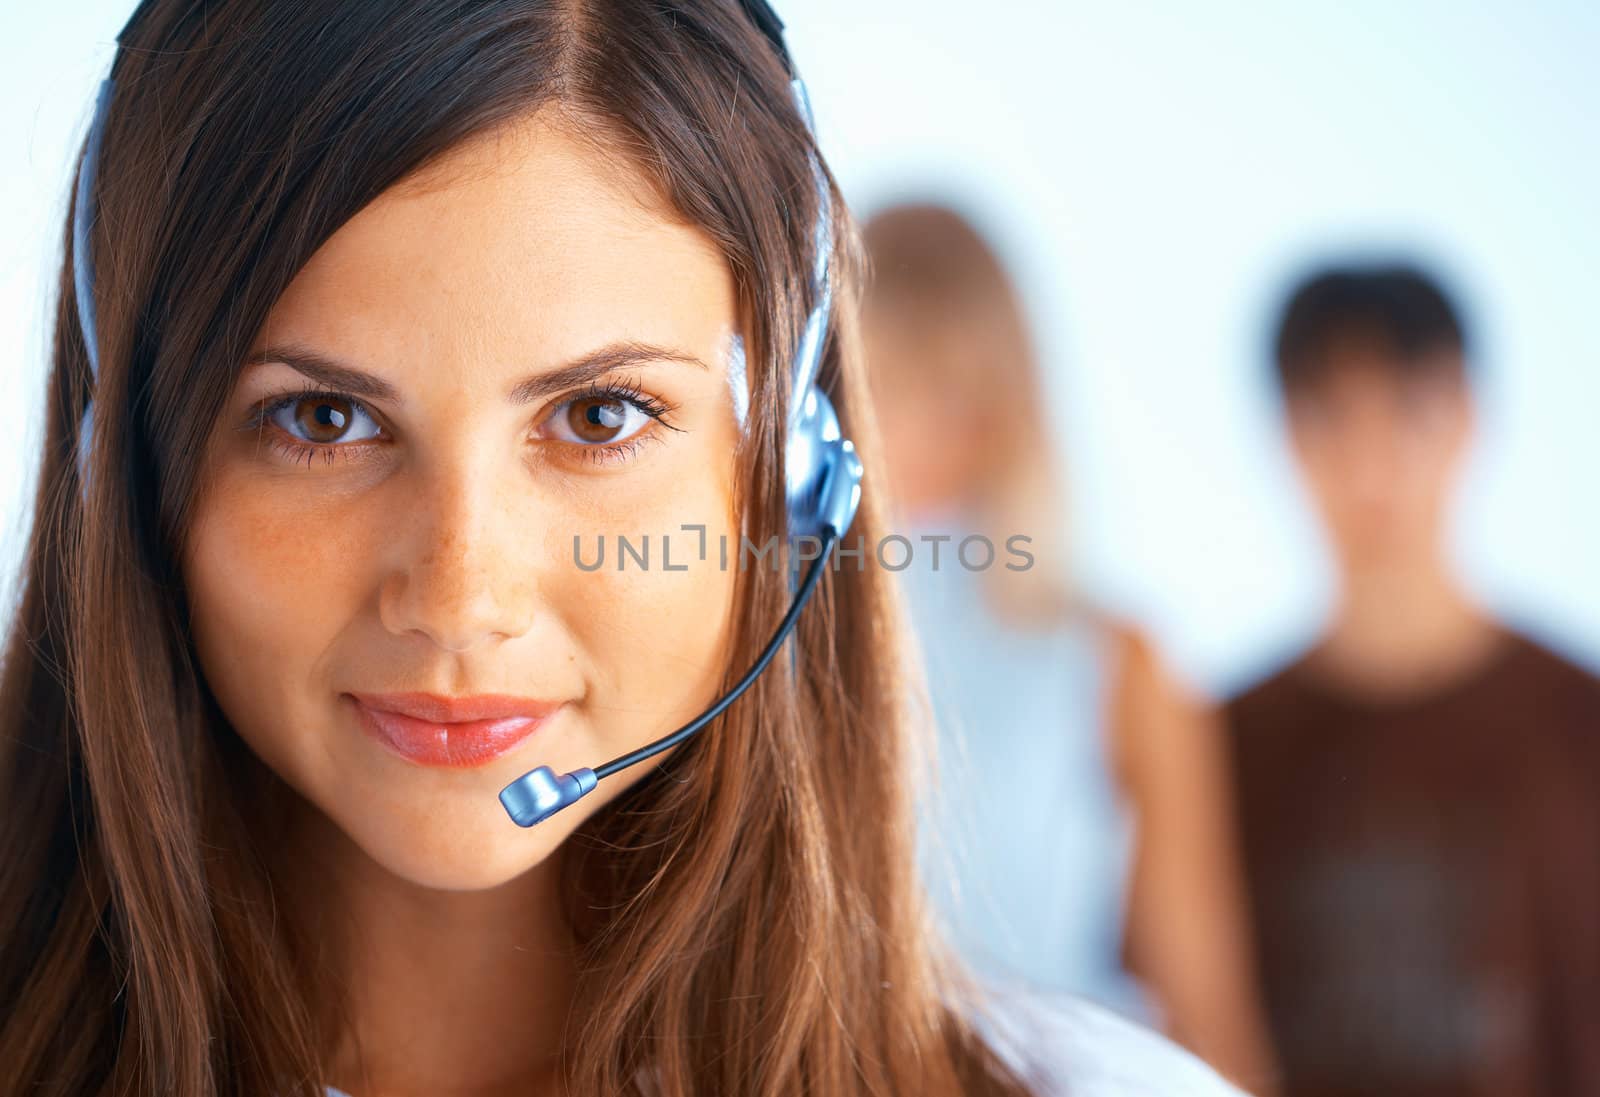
748, 914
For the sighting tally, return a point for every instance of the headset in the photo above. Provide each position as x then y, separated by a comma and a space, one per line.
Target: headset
822, 472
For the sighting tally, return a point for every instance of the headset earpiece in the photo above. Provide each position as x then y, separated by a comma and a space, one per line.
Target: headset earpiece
823, 473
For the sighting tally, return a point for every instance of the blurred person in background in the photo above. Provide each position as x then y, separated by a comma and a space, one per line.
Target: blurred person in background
1075, 835
1417, 792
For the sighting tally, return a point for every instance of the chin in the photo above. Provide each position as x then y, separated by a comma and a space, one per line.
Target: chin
436, 875
471, 846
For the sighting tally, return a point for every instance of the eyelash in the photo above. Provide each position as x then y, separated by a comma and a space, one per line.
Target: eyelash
608, 453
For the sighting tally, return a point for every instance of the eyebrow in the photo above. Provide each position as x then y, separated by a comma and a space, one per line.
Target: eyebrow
357, 382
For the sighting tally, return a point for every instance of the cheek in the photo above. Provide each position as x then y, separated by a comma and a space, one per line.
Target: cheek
925, 437
267, 574
1430, 461
272, 563
654, 617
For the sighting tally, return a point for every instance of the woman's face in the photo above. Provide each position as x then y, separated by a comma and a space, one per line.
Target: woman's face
937, 431
508, 327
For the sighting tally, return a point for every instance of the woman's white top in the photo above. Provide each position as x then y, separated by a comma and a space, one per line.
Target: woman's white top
1024, 844
1070, 1047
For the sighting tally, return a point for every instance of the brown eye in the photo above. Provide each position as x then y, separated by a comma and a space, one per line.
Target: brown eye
601, 419
324, 418
596, 420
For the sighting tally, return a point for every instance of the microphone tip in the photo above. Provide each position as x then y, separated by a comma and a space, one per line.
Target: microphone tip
541, 792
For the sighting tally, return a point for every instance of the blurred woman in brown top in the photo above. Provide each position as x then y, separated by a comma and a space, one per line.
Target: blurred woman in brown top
1417, 793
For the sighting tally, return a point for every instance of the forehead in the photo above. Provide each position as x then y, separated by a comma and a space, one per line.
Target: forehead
1372, 374
528, 231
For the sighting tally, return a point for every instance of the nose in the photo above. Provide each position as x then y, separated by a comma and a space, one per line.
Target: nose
464, 575
1374, 460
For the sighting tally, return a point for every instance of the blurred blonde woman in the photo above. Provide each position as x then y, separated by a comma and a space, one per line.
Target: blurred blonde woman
1101, 863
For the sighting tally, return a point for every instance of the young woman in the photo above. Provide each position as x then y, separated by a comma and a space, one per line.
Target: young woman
1115, 843
403, 314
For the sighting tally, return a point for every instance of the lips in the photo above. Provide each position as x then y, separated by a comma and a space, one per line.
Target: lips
432, 730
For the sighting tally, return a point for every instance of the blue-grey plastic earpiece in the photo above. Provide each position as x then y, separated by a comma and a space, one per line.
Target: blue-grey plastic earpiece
824, 473
842, 495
